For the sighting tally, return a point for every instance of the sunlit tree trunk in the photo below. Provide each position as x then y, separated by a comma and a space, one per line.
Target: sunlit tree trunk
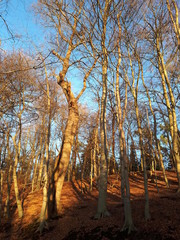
170, 107
35, 163
102, 182
157, 146
0, 185
154, 159
113, 144
125, 187
95, 146
44, 208
134, 91
91, 173
94, 153
174, 19
41, 155
16, 189
62, 160
147, 213
17, 154
9, 180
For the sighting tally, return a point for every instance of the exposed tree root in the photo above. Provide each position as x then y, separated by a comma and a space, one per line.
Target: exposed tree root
102, 215
129, 228
43, 226
178, 191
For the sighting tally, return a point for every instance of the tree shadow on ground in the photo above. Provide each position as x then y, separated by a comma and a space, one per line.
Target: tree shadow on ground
114, 233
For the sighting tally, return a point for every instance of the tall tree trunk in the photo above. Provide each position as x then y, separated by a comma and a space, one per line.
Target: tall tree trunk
91, 173
9, 179
157, 144
63, 158
35, 164
16, 189
44, 208
170, 107
0, 187
41, 156
95, 146
113, 144
128, 224
147, 213
134, 91
102, 183
17, 156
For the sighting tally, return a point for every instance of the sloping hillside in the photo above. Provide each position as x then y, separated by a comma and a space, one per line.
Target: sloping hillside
77, 220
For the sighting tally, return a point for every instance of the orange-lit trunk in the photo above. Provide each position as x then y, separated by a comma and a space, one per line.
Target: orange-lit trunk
63, 158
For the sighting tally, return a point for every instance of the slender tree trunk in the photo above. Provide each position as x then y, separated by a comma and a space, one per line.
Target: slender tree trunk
9, 180
35, 163
175, 20
44, 208
94, 154
154, 162
113, 144
7, 203
69, 170
102, 184
34, 180
83, 167
157, 144
95, 146
17, 155
1, 194
128, 224
147, 213
91, 174
19, 205
170, 107
134, 91
41, 165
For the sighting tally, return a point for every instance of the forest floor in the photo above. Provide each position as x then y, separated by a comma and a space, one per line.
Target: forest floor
77, 220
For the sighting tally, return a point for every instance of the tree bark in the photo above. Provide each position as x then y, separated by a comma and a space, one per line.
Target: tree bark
63, 158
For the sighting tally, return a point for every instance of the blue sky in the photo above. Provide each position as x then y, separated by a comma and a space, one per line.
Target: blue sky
26, 30
22, 24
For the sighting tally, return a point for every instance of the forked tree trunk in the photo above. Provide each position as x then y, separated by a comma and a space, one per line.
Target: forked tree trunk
62, 161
